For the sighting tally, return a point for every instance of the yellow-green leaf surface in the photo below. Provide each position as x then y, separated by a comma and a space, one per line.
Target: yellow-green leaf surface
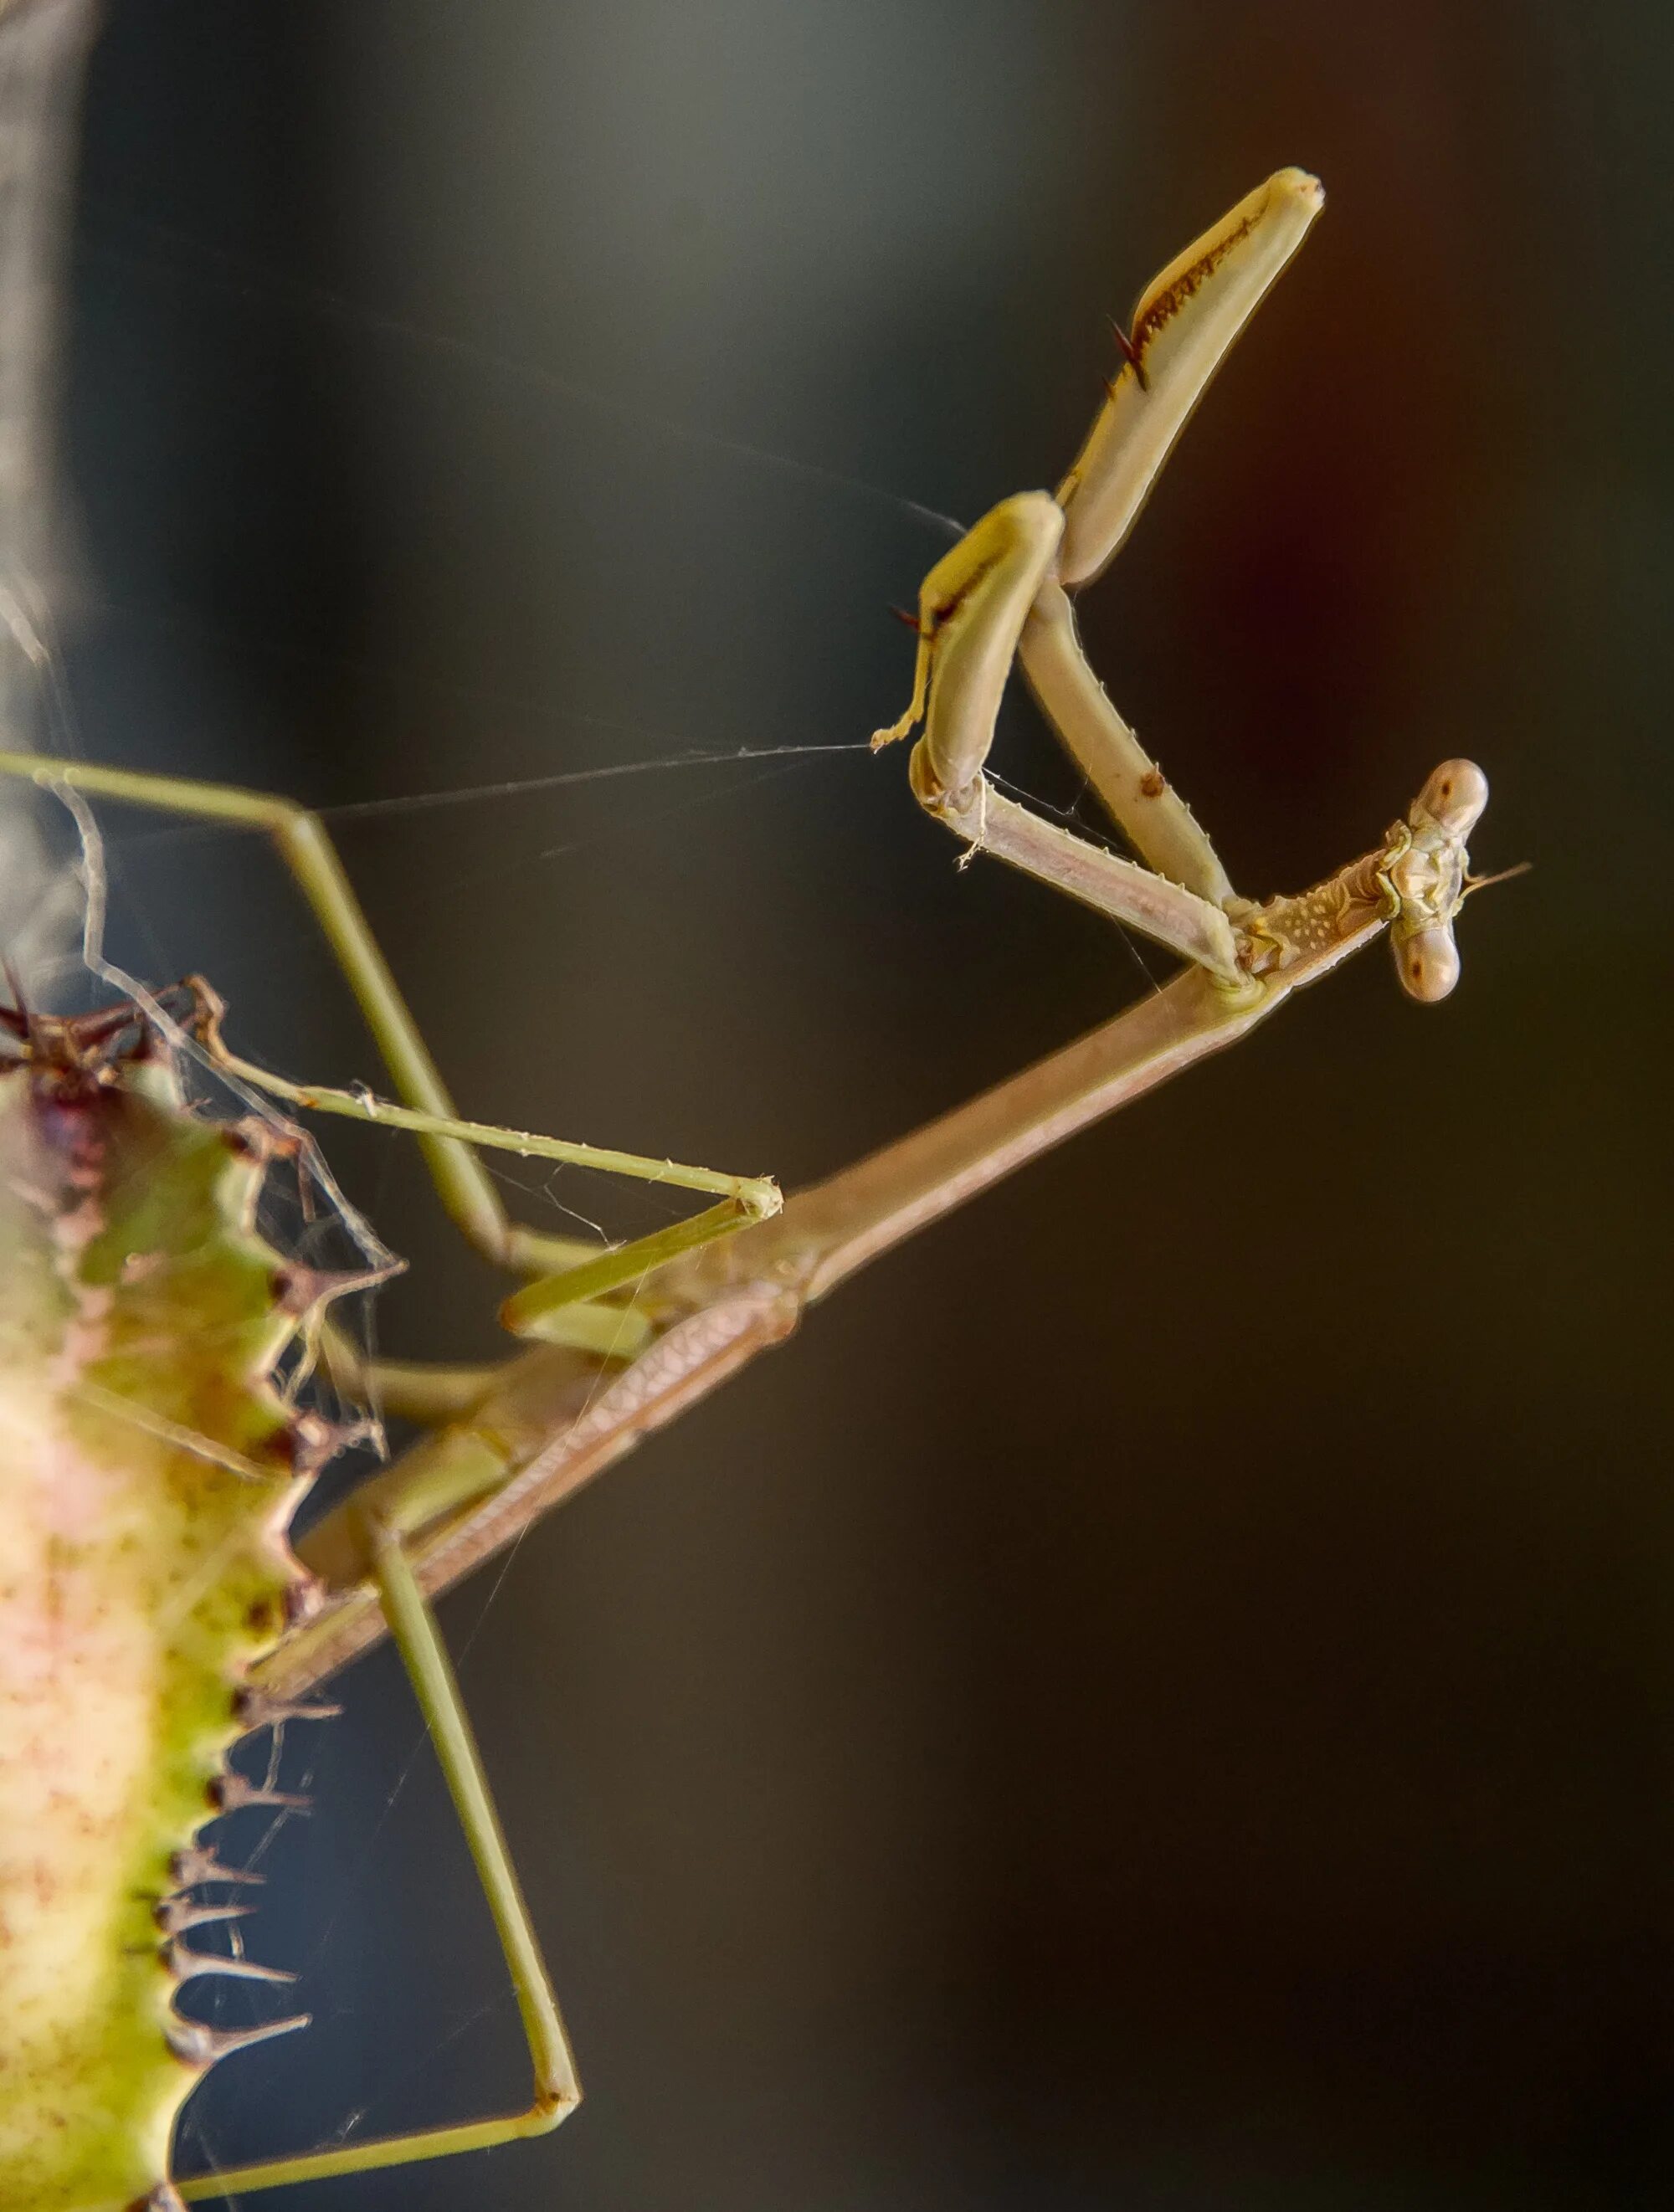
145, 1485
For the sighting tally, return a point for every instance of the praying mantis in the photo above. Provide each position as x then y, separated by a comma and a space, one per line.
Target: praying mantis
105, 1163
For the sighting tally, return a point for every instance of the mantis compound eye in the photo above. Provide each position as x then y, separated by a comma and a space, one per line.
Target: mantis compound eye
1428, 961
1454, 798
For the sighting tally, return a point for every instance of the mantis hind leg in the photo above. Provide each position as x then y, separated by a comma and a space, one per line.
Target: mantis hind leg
556, 2090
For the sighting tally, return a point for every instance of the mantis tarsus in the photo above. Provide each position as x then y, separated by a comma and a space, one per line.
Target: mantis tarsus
630, 1335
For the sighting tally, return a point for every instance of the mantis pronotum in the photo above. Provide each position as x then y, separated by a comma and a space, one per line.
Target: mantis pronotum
624, 1337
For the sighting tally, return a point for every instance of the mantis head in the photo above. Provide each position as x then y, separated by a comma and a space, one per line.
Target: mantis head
1426, 875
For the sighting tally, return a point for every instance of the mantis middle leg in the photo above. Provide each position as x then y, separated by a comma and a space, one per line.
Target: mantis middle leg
569, 1273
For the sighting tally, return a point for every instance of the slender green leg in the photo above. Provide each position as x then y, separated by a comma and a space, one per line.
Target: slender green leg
557, 2091
555, 1307
752, 1197
413, 1390
548, 1308
462, 1182
451, 1467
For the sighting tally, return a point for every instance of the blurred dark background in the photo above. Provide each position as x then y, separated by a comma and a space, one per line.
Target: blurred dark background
1161, 1696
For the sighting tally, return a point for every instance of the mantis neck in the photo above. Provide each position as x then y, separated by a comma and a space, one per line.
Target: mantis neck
827, 1232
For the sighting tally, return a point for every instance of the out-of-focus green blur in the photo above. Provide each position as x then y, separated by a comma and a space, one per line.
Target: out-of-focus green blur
1162, 1695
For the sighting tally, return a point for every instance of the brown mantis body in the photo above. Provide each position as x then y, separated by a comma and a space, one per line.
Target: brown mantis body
542, 1430
629, 1336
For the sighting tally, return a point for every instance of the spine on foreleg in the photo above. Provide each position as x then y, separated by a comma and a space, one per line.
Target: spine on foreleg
147, 1477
